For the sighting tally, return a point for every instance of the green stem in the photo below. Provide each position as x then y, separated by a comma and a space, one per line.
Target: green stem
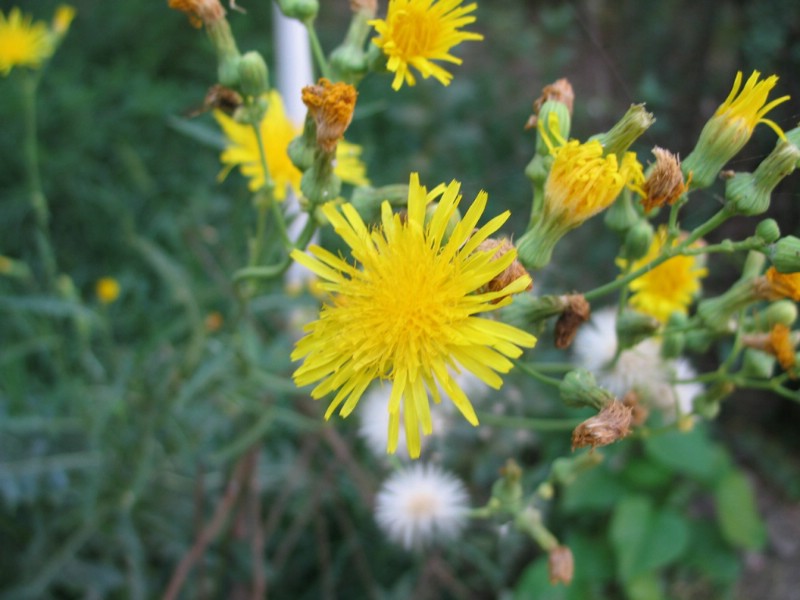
526, 423
41, 211
264, 202
316, 49
528, 369
681, 249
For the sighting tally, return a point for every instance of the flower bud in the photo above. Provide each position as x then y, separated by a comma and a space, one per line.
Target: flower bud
527, 310
749, 193
561, 92
579, 389
633, 327
782, 312
717, 313
785, 254
554, 117
302, 10
768, 230
566, 469
757, 364
253, 80
638, 240
560, 565
622, 214
627, 130
367, 200
707, 404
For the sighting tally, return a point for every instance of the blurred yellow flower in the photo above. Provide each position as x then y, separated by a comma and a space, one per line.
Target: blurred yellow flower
22, 42
417, 32
745, 108
277, 131
107, 290
62, 19
671, 286
408, 314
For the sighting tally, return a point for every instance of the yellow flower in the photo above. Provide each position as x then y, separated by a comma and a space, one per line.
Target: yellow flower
107, 290
781, 345
669, 287
22, 42
731, 126
408, 313
581, 183
782, 285
278, 131
62, 19
416, 32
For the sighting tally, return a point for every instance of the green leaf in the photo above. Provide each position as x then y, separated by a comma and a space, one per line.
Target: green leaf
737, 514
594, 490
644, 587
690, 453
645, 539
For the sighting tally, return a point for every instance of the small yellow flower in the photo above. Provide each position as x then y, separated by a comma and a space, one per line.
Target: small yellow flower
746, 108
277, 131
417, 32
107, 290
669, 287
22, 42
408, 313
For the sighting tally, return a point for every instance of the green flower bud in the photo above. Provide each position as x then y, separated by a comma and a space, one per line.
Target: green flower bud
707, 404
627, 130
698, 340
674, 336
757, 364
349, 64
319, 184
633, 327
554, 117
302, 10
768, 230
717, 313
622, 215
638, 240
367, 200
785, 254
228, 72
567, 468
579, 389
749, 193
527, 310
781, 312
253, 79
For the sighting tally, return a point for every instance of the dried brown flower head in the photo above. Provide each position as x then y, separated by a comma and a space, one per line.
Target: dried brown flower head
639, 411
513, 272
561, 91
664, 184
560, 565
199, 11
576, 313
332, 105
606, 427
780, 285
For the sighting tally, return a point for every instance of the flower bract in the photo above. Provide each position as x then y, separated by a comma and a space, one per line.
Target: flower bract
417, 32
407, 311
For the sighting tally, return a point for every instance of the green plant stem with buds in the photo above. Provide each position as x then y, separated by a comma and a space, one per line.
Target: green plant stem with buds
534, 372
668, 252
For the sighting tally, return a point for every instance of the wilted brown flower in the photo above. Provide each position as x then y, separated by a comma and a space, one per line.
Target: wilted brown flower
561, 91
576, 313
664, 184
639, 411
513, 272
332, 105
560, 565
780, 285
606, 427
199, 11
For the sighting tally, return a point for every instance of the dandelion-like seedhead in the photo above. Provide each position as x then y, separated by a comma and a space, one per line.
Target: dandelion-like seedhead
407, 312
421, 505
417, 32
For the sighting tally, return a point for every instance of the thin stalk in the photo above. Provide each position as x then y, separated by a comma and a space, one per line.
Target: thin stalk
316, 49
525, 368
528, 423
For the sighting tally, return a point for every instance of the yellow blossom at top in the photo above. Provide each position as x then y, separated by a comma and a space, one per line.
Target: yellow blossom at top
582, 182
745, 108
62, 19
671, 286
417, 32
407, 311
23, 42
107, 290
277, 131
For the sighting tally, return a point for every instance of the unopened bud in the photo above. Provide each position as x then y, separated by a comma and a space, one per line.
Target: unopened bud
627, 130
768, 230
609, 425
579, 388
621, 215
707, 404
554, 120
781, 312
749, 193
638, 240
253, 80
561, 92
633, 327
757, 364
302, 10
785, 254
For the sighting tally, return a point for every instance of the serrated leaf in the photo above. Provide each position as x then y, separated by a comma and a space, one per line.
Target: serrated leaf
737, 514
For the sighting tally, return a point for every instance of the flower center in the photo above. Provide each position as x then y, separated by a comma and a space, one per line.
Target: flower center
414, 32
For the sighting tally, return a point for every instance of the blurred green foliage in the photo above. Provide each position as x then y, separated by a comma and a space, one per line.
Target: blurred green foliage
122, 425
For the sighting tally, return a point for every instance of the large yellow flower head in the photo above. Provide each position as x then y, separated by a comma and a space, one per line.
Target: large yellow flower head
23, 43
731, 126
417, 32
277, 131
671, 286
408, 313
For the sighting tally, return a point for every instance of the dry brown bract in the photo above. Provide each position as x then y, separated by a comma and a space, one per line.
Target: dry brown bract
606, 427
